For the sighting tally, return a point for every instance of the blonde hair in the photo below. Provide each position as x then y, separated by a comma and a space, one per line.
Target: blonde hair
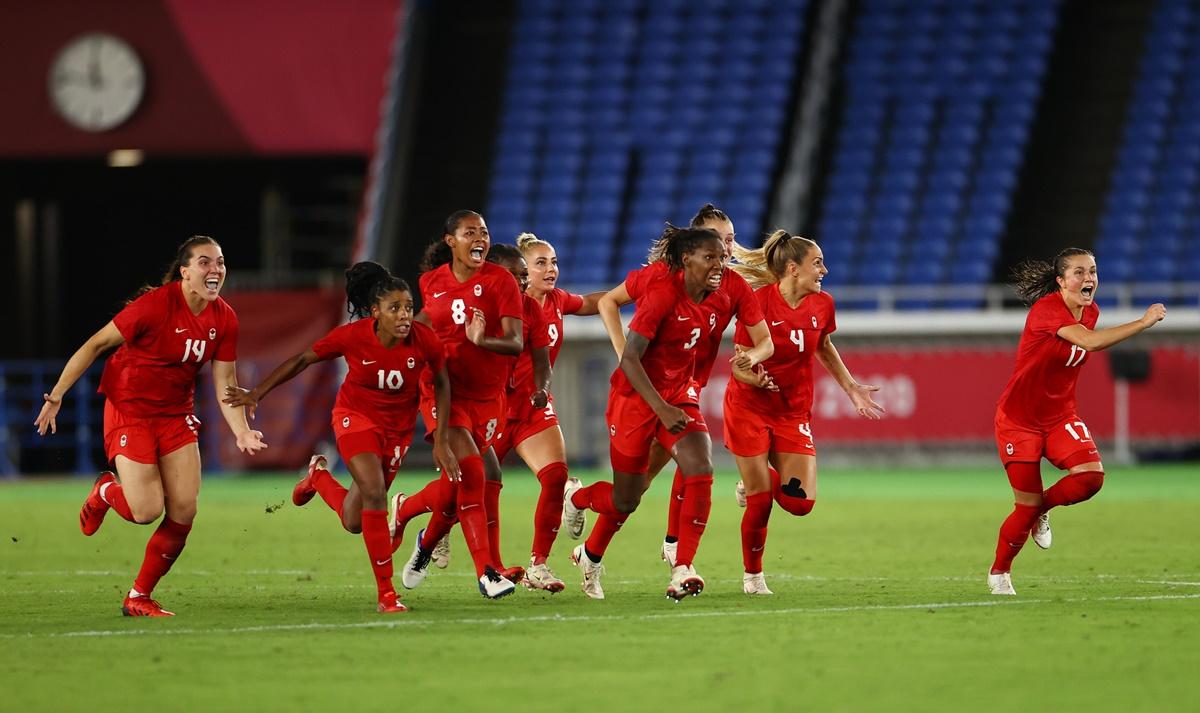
767, 265
529, 241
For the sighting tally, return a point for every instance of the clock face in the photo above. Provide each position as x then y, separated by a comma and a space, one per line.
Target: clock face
96, 82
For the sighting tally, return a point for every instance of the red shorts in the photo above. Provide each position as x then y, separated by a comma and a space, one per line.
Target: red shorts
145, 440
633, 427
357, 434
483, 419
1065, 445
532, 422
749, 432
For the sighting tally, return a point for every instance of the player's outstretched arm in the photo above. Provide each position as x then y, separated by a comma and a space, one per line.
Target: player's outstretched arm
672, 417
609, 309
109, 337
237, 397
757, 376
591, 303
762, 350
249, 441
860, 394
1100, 339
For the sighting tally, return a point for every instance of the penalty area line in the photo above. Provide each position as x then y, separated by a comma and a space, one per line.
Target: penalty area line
556, 618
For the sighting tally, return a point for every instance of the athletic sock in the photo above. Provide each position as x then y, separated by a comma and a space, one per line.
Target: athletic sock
1013, 534
491, 509
379, 550
330, 490
693, 516
674, 506
161, 552
548, 515
114, 495
1073, 488
754, 531
596, 497
471, 513
602, 534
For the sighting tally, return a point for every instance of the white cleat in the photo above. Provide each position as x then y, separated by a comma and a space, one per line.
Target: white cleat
668, 553
441, 552
591, 572
755, 584
1042, 537
539, 576
1001, 583
394, 511
573, 520
417, 566
493, 586
684, 582
739, 492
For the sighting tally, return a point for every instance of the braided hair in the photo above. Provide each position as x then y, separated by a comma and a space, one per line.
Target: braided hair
366, 282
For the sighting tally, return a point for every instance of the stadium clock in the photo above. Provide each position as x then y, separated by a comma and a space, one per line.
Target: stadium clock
96, 82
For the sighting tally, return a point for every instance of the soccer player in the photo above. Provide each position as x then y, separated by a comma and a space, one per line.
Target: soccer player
162, 338
375, 412
1036, 416
768, 409
739, 293
532, 429
654, 398
475, 307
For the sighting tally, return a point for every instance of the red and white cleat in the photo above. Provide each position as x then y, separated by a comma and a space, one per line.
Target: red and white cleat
539, 576
390, 603
513, 574
143, 606
684, 583
304, 490
91, 515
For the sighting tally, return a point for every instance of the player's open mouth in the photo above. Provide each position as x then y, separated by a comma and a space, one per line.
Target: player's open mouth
403, 329
212, 283
714, 280
477, 253
1088, 290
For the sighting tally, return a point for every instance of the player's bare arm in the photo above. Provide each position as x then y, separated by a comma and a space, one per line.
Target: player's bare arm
762, 350
249, 441
542, 373
860, 394
672, 417
609, 309
108, 337
510, 343
1100, 339
237, 397
443, 456
591, 303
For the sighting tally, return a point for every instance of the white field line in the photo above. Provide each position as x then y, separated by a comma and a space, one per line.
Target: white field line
1179, 584
405, 622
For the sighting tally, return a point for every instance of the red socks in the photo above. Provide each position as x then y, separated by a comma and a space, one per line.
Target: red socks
791, 496
330, 490
471, 513
491, 508
161, 552
1013, 534
693, 516
114, 495
379, 547
674, 506
548, 515
596, 497
1074, 488
754, 531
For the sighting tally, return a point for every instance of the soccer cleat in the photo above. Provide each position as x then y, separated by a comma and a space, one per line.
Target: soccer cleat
494, 586
513, 574
1001, 583
668, 553
417, 566
684, 582
1042, 537
573, 520
389, 603
755, 584
91, 515
441, 552
394, 512
591, 572
539, 576
739, 493
143, 606
304, 490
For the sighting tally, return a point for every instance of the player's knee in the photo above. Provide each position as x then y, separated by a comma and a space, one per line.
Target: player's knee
1090, 481
354, 528
626, 503
146, 513
794, 499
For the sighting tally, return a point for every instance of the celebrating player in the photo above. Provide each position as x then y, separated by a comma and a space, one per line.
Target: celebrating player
162, 337
376, 408
475, 307
653, 397
739, 293
1036, 416
767, 409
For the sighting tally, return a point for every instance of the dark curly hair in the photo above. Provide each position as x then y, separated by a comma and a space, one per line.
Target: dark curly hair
366, 282
437, 253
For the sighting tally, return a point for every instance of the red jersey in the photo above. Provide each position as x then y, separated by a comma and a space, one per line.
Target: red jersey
676, 327
733, 286
520, 380
475, 372
382, 383
1041, 391
154, 372
797, 333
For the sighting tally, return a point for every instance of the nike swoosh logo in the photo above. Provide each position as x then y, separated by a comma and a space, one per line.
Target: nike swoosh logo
756, 549
697, 523
168, 557
178, 330
776, 324
681, 318
438, 294
380, 563
365, 362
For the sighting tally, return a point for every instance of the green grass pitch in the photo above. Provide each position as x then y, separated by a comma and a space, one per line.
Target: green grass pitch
880, 604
